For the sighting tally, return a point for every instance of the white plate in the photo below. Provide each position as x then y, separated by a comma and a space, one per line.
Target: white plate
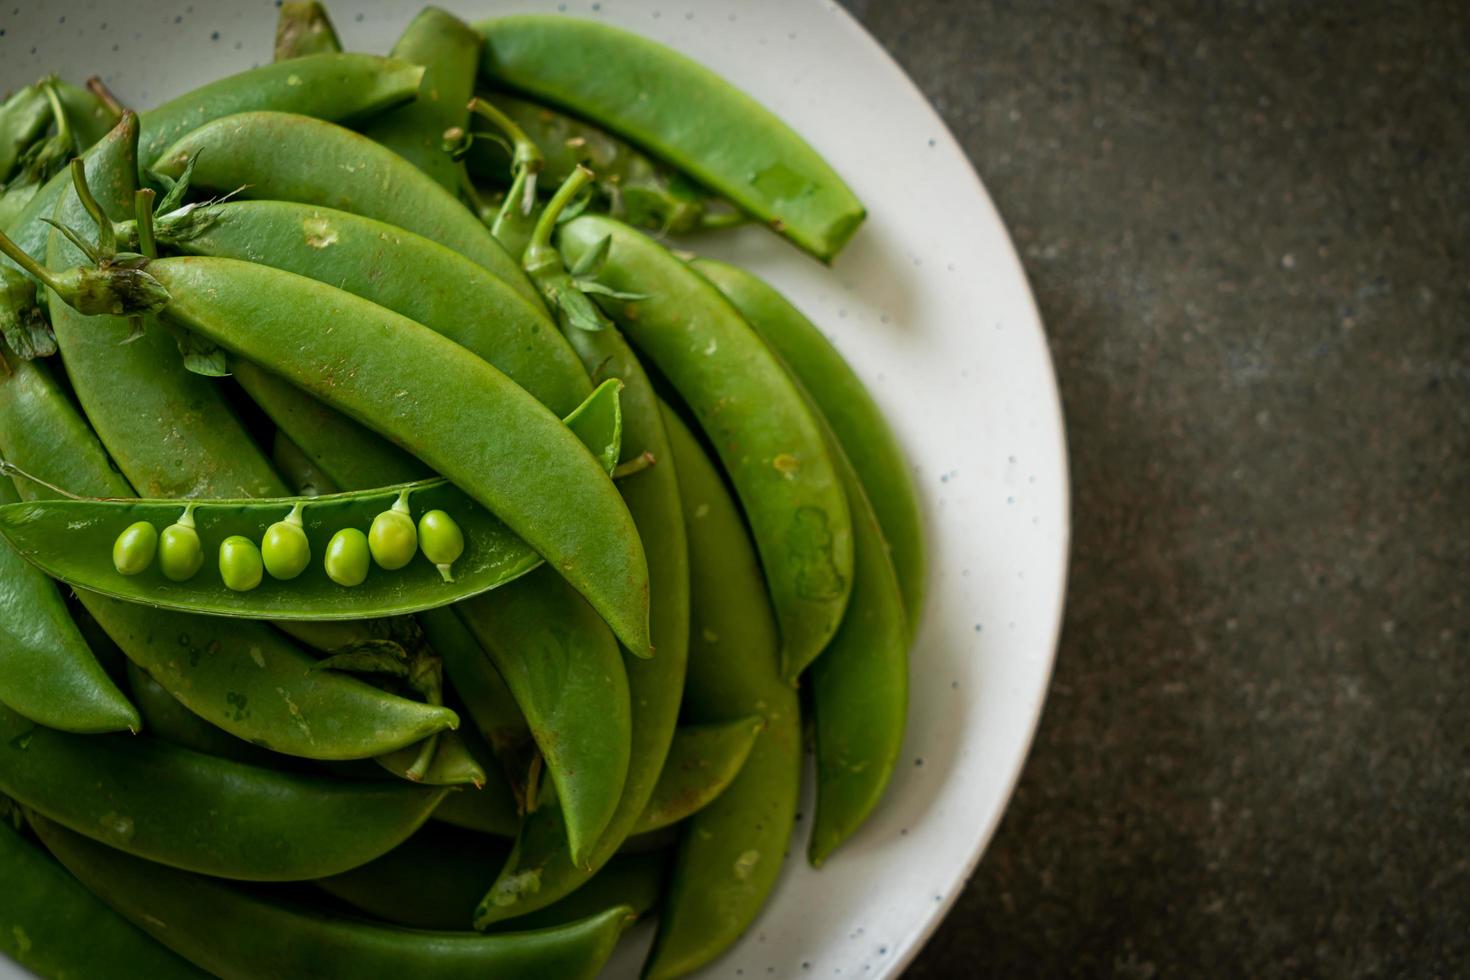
931, 306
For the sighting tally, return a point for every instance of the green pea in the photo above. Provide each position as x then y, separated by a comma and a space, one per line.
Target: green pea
239, 563
347, 557
441, 541
134, 549
180, 555
393, 538
284, 548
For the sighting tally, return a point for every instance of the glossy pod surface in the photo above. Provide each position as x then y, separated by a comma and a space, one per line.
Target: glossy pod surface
233, 934
203, 813
398, 270
43, 911
769, 439
286, 157
339, 87
449, 50
856, 421
165, 718
682, 112
729, 853
860, 684
49, 673
414, 387
703, 760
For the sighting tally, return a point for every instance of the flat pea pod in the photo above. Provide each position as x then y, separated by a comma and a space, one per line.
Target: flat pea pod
203, 813
339, 87
242, 676
43, 911
286, 157
682, 112
165, 718
730, 852
24, 116
147, 408
397, 269
564, 670
492, 557
703, 760
855, 419
449, 50
433, 879
630, 185
50, 674
542, 856
304, 28
414, 387
220, 929
764, 431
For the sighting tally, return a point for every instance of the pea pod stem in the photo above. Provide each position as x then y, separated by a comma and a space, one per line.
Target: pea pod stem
513, 223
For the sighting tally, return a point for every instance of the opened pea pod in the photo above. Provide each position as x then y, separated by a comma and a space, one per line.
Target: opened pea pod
459, 548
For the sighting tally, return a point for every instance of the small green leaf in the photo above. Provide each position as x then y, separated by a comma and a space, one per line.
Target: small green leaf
590, 264
176, 189
201, 356
71, 235
592, 286
581, 312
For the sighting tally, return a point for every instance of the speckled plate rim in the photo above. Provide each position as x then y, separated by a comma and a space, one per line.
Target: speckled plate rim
931, 306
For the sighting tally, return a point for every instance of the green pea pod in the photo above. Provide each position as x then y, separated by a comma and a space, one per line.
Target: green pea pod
847, 406
396, 269
543, 867
147, 408
304, 28
433, 880
449, 50
234, 934
24, 117
630, 185
730, 852
44, 910
702, 762
682, 112
49, 673
90, 117
241, 676
490, 810
563, 668
339, 87
300, 473
286, 157
414, 387
170, 721
203, 813
764, 431
860, 684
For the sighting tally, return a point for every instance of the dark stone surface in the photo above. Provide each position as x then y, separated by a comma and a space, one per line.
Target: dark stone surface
1247, 227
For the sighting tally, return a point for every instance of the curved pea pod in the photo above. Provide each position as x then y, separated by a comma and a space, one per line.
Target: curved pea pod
630, 185
414, 387
449, 50
399, 270
170, 721
703, 760
147, 408
49, 673
44, 910
860, 684
491, 810
221, 929
433, 880
286, 157
764, 431
730, 852
855, 419
90, 116
24, 116
203, 813
562, 665
681, 111
339, 87
543, 868
304, 28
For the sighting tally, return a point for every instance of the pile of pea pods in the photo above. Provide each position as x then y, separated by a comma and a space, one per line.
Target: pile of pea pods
412, 565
